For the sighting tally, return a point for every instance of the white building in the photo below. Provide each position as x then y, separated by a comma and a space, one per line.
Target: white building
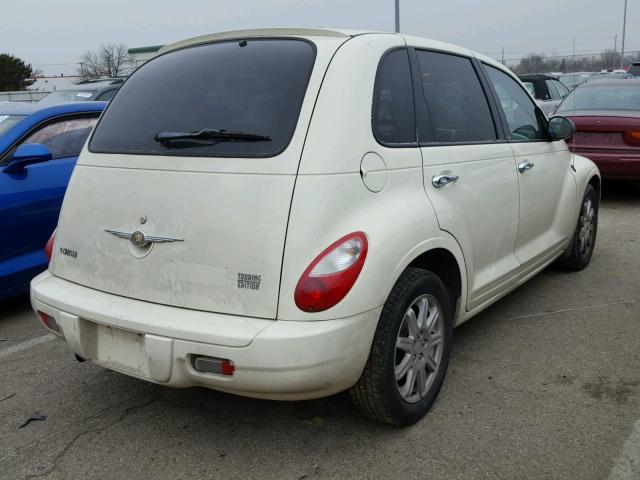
141, 55
50, 84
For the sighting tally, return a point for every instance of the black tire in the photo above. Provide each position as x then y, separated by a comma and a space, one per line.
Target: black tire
377, 393
577, 256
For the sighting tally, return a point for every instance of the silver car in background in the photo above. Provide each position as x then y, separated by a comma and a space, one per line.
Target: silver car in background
547, 90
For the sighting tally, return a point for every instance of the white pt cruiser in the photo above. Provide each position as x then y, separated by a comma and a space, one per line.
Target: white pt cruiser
291, 213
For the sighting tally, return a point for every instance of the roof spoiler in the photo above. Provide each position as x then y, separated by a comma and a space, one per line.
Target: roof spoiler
259, 32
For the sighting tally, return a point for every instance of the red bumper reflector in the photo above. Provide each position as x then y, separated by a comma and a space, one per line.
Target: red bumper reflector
46, 319
50, 322
220, 366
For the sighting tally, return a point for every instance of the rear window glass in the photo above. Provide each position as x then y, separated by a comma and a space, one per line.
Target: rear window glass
253, 86
616, 97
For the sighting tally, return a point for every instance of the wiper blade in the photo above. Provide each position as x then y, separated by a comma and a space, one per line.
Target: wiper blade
210, 135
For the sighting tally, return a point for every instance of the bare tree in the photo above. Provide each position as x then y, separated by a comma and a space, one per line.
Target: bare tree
610, 59
109, 60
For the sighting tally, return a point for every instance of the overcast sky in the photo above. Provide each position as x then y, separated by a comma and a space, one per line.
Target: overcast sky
52, 35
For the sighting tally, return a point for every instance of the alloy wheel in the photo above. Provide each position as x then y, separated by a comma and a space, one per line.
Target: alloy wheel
419, 347
586, 232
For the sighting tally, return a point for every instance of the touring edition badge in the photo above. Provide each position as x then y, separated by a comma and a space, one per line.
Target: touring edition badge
249, 280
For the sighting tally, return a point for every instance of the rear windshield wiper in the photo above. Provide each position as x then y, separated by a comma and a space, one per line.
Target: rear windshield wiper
208, 135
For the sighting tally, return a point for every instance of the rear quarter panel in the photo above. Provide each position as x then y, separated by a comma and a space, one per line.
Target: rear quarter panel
583, 171
330, 199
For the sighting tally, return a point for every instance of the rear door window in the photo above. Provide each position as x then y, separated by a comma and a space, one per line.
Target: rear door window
253, 86
393, 115
457, 107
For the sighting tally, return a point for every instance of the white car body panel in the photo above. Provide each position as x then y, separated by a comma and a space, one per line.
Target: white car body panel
147, 316
475, 210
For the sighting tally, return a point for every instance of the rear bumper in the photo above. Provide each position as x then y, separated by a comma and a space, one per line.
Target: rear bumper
615, 165
281, 360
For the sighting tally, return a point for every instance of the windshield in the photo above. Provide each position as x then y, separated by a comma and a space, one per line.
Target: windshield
606, 97
66, 96
8, 121
253, 86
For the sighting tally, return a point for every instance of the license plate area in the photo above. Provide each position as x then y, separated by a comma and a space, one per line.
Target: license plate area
598, 139
122, 349
142, 355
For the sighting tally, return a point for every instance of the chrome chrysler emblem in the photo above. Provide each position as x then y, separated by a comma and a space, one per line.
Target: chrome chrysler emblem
141, 239
138, 238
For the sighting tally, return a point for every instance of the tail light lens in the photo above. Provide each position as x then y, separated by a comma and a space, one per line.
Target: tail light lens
331, 275
632, 138
48, 248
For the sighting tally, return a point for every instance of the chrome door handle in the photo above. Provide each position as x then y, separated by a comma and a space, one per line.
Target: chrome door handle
525, 166
441, 180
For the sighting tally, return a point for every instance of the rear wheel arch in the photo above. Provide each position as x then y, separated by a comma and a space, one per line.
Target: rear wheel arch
596, 183
443, 263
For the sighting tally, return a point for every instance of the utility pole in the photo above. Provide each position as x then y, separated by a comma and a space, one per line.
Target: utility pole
624, 28
574, 54
503, 55
397, 16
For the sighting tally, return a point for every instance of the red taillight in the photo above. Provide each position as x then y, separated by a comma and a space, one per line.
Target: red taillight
632, 138
331, 275
48, 248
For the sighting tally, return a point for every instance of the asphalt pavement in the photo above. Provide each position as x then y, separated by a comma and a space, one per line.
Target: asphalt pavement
543, 385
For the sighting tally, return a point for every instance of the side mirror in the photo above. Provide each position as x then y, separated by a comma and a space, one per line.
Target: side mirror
560, 128
27, 154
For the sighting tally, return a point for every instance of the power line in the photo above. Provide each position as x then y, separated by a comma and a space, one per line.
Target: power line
554, 49
567, 56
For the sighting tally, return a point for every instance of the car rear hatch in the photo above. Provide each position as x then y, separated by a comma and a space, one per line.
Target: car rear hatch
198, 221
606, 132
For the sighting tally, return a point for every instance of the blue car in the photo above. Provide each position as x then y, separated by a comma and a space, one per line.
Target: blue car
39, 147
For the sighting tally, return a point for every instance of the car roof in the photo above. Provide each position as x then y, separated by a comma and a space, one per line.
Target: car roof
23, 108
536, 76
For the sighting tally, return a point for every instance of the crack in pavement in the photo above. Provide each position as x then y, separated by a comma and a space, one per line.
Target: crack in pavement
57, 460
576, 309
